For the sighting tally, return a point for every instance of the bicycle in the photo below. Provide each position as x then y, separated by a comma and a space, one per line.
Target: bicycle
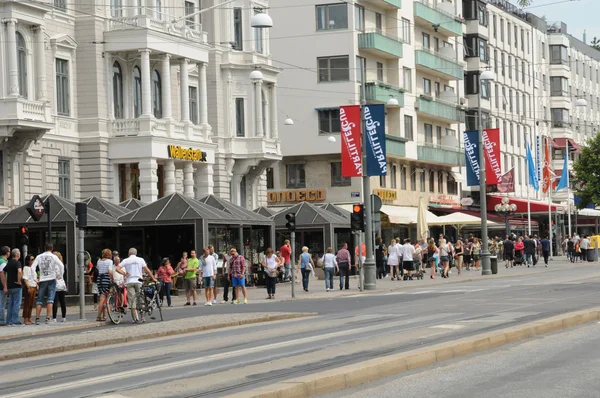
115, 304
148, 300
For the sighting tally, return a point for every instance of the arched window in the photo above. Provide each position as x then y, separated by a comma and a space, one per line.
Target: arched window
22, 64
117, 91
156, 95
137, 92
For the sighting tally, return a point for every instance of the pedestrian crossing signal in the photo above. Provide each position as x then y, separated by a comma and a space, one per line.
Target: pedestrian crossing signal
23, 238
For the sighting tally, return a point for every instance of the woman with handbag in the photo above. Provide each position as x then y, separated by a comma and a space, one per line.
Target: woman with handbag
271, 263
61, 291
306, 264
30, 289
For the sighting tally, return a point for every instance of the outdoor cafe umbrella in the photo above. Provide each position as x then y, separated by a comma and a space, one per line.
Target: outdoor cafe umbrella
422, 227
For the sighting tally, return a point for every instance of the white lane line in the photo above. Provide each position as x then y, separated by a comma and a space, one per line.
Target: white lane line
452, 327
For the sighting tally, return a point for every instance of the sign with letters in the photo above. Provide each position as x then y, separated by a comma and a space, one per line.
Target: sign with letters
300, 195
386, 194
180, 153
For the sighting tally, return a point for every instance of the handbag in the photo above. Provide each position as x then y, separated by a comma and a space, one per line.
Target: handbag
309, 267
320, 263
61, 286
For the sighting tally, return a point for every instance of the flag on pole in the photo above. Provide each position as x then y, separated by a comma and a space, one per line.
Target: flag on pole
533, 180
564, 178
547, 175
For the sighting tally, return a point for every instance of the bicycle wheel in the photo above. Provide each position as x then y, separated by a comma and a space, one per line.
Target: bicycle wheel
112, 307
158, 307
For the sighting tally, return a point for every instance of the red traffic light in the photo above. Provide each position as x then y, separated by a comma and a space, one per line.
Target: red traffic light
23, 230
357, 208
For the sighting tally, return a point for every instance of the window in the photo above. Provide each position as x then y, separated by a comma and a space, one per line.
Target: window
359, 18
382, 182
379, 71
427, 86
336, 176
497, 92
502, 29
137, 92
502, 63
156, 95
509, 67
117, 91
524, 105
523, 69
440, 182
332, 69
516, 36
485, 89
406, 30
544, 83
361, 69
517, 98
258, 36
393, 176
116, 7
559, 86
451, 185
522, 40
295, 176
494, 27
407, 78
22, 65
240, 122
378, 22
270, 178
329, 121
528, 51
238, 38
60, 4
422, 180
408, 127
63, 91
436, 89
495, 61
428, 133
436, 44
190, 8
332, 16
438, 134
510, 100
193, 101
426, 41
413, 179
543, 50
64, 178
482, 14
503, 98
512, 134
505, 132
475, 46
560, 117
431, 181
402, 176
508, 32
558, 55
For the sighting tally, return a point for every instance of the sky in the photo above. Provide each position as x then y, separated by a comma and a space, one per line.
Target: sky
579, 15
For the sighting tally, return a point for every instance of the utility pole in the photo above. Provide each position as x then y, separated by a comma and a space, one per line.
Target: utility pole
293, 258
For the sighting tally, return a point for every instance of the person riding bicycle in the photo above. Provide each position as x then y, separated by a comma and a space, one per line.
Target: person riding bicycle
135, 267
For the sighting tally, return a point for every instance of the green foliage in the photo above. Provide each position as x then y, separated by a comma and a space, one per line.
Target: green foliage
595, 43
524, 3
587, 173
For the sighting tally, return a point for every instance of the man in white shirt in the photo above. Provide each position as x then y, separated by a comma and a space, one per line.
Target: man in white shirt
408, 252
50, 267
209, 273
211, 250
135, 267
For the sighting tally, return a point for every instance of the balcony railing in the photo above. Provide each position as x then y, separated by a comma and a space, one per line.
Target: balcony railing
158, 128
158, 25
395, 146
388, 4
440, 154
441, 110
381, 92
434, 15
380, 44
24, 109
440, 64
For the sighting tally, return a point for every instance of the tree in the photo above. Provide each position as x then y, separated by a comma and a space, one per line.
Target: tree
595, 43
524, 3
587, 173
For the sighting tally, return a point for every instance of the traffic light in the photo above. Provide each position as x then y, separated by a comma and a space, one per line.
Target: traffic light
357, 219
291, 221
23, 238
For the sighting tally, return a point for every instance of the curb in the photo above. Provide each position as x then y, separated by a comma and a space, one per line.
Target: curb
352, 375
151, 335
51, 331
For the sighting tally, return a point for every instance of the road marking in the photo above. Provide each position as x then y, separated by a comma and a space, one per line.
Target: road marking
453, 327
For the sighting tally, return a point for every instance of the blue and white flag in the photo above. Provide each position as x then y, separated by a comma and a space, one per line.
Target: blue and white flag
471, 139
533, 178
375, 128
564, 177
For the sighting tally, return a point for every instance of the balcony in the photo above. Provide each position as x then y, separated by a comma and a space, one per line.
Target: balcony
381, 92
442, 155
253, 147
441, 110
25, 113
426, 14
438, 64
158, 128
386, 4
380, 45
395, 146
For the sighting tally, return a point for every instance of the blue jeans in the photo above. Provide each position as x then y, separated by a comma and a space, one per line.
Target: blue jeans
2, 306
48, 289
529, 258
305, 274
166, 290
329, 273
288, 268
14, 304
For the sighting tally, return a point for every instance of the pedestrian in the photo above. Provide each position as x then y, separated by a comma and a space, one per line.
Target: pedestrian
4, 255
182, 264
237, 274
93, 276
545, 243
105, 275
191, 277
14, 274
584, 245
119, 277
50, 266
135, 267
529, 250
379, 255
29, 289
227, 280
393, 252
343, 260
165, 273
330, 267
408, 254
467, 256
509, 252
444, 257
306, 265
61, 291
432, 250
476, 253
209, 273
286, 252
270, 263
211, 250
458, 255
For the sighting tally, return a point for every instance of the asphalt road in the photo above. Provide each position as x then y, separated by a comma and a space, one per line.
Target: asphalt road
560, 365
347, 330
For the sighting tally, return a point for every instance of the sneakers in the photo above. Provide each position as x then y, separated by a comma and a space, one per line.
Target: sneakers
64, 320
186, 304
224, 302
245, 301
37, 321
214, 301
195, 303
208, 304
235, 302
47, 320
54, 320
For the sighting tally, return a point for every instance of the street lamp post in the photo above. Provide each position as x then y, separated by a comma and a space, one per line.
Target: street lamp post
486, 266
506, 208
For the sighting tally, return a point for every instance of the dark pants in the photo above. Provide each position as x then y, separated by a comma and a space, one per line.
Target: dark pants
60, 297
226, 284
380, 269
545, 254
305, 275
166, 290
583, 254
344, 275
271, 282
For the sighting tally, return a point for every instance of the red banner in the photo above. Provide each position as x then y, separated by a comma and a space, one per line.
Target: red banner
493, 164
350, 137
508, 182
547, 174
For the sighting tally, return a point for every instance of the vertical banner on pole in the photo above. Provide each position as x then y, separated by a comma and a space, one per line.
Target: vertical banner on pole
351, 142
493, 165
471, 139
547, 174
538, 157
375, 127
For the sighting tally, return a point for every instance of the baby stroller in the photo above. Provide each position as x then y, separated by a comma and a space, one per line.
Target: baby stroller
519, 258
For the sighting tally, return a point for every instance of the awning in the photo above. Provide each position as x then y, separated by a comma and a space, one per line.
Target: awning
460, 219
493, 217
589, 212
535, 205
561, 143
406, 215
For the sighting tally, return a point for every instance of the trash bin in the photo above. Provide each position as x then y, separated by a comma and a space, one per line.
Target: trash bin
494, 264
592, 255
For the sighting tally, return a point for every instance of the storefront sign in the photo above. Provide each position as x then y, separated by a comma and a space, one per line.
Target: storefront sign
444, 201
308, 195
386, 194
180, 153
36, 208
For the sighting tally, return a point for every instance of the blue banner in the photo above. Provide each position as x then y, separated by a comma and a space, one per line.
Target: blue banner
533, 180
375, 128
471, 139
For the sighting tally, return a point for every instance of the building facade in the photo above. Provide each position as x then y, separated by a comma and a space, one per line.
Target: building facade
139, 100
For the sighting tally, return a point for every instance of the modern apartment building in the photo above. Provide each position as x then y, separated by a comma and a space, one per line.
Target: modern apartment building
413, 53
127, 99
